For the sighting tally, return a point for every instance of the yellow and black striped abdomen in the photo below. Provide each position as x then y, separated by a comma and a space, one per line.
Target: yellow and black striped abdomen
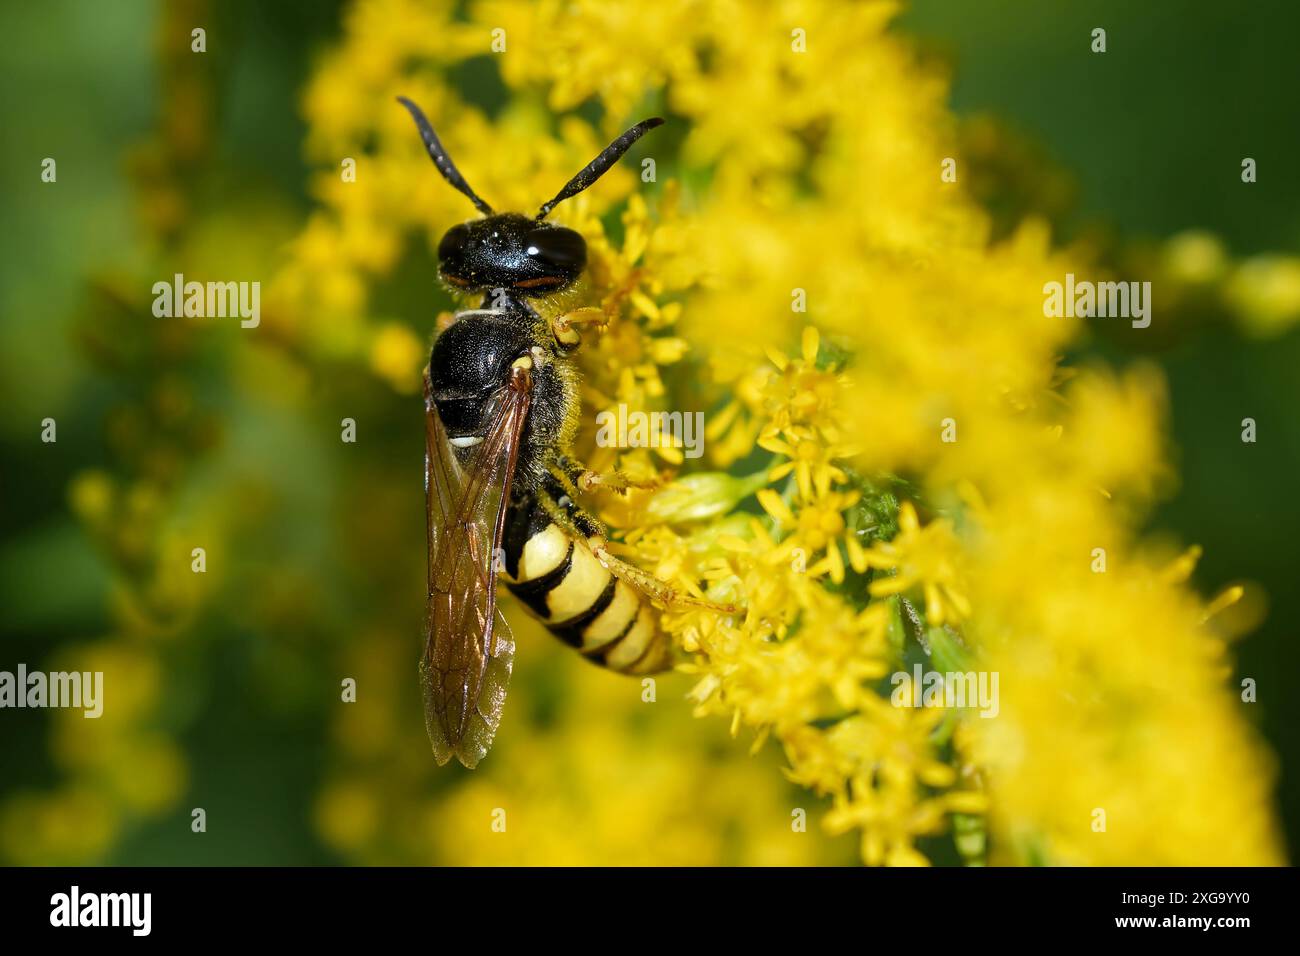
578, 600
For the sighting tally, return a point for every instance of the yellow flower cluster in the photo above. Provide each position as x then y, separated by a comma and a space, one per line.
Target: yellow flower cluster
1262, 293
920, 471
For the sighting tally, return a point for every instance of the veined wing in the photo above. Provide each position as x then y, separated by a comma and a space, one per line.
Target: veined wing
468, 649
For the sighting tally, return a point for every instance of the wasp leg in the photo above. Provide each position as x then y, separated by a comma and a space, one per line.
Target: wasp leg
558, 500
584, 479
657, 590
574, 520
563, 326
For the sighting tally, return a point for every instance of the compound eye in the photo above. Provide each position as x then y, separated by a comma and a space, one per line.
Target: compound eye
453, 243
557, 247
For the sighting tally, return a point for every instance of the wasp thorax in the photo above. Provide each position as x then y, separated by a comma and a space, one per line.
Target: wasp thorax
511, 251
470, 361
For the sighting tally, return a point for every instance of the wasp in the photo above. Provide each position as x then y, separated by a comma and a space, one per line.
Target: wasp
501, 411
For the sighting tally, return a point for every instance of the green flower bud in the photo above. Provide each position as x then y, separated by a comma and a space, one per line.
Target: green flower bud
701, 496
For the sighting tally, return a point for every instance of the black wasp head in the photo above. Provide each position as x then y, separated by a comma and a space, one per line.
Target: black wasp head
510, 251
507, 250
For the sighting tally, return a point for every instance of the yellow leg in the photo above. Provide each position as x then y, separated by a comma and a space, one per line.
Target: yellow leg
572, 519
563, 327
657, 590
585, 479
615, 481
577, 522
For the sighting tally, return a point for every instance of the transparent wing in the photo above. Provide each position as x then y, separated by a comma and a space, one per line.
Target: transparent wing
468, 649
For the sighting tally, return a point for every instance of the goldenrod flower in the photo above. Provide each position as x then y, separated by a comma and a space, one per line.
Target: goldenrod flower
837, 309
929, 557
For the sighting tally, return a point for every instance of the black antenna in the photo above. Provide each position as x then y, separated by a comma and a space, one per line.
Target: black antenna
600, 165
440, 157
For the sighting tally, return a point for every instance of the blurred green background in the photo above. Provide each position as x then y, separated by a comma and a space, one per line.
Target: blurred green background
1120, 152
